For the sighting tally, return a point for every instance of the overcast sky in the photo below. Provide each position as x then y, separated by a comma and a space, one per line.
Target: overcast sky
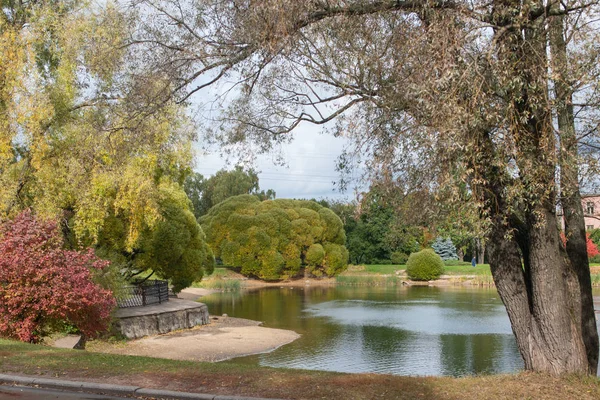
310, 170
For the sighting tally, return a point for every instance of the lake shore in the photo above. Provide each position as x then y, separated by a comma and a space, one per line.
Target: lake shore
224, 338
359, 275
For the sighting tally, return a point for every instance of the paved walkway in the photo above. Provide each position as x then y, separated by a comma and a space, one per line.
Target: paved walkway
107, 389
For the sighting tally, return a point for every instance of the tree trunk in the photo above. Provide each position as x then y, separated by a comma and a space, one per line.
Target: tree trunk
569, 181
535, 282
534, 276
538, 298
480, 250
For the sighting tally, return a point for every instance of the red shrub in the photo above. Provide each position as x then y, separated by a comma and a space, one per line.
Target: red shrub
41, 284
592, 249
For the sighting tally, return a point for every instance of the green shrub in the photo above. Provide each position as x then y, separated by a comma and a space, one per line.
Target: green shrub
424, 265
272, 239
315, 254
399, 258
335, 260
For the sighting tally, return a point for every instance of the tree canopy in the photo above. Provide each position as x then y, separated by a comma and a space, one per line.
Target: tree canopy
85, 139
206, 192
273, 239
499, 97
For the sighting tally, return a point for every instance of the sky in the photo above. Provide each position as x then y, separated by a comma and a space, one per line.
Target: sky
310, 171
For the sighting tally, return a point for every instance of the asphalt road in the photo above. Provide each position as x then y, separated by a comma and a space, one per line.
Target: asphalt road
27, 393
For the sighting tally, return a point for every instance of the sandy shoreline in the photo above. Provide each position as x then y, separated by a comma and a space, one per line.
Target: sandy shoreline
224, 338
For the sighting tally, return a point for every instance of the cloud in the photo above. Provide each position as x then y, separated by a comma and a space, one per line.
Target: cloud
309, 171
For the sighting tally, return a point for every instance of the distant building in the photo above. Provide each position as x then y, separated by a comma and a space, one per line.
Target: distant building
591, 211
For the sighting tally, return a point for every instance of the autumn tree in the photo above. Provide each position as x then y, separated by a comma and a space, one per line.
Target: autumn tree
44, 287
464, 91
87, 140
172, 247
274, 239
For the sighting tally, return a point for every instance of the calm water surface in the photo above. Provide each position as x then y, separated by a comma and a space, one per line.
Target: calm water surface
403, 331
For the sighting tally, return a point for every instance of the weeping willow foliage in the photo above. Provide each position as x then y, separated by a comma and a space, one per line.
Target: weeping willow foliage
274, 239
86, 140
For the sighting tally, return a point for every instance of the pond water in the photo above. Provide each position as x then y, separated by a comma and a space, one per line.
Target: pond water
404, 331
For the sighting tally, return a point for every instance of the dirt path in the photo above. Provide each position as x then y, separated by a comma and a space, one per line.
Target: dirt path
222, 339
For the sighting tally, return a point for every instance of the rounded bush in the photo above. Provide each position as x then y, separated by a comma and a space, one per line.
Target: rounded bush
274, 239
424, 265
315, 254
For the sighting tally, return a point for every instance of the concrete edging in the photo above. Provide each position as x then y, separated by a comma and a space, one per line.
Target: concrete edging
103, 388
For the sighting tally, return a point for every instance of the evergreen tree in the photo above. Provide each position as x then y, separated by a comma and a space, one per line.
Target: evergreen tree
445, 249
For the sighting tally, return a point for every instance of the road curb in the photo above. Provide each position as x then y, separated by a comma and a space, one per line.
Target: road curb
103, 388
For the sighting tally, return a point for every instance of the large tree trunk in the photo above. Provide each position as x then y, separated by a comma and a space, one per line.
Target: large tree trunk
538, 299
569, 182
536, 280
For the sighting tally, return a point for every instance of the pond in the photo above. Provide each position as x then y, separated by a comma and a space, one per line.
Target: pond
396, 330
452, 331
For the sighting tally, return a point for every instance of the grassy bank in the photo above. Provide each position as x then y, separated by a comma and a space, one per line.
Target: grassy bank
368, 280
222, 279
392, 275
377, 269
388, 275
244, 380
225, 279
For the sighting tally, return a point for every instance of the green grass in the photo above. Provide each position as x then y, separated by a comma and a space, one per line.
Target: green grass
465, 269
221, 279
481, 269
235, 379
222, 272
383, 269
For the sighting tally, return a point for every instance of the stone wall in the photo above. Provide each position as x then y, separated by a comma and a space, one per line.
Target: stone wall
137, 326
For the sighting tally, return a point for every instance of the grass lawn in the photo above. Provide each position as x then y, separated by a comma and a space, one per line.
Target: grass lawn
383, 269
245, 380
481, 269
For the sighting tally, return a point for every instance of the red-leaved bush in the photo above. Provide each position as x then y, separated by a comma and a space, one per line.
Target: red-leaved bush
41, 284
592, 249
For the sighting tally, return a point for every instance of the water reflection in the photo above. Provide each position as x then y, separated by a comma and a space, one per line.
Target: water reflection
406, 331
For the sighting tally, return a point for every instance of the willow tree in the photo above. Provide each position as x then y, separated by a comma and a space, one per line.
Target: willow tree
83, 138
464, 92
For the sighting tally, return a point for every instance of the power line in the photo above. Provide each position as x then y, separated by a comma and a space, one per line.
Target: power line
283, 175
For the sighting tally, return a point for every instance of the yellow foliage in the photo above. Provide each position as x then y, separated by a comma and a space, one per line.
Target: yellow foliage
64, 144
